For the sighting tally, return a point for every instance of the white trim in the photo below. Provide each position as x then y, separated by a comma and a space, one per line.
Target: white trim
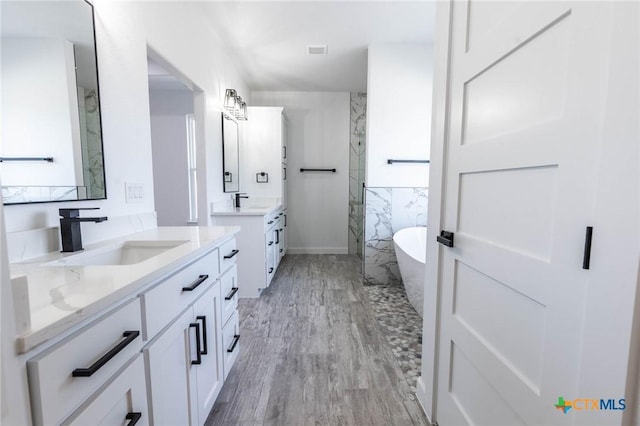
318, 250
431, 316
423, 399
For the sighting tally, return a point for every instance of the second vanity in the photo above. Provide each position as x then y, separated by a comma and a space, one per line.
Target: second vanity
139, 330
263, 240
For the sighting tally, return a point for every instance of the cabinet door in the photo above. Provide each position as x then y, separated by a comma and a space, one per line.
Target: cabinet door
209, 374
121, 402
169, 369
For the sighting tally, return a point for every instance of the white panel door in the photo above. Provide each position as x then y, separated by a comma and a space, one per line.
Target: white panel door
527, 90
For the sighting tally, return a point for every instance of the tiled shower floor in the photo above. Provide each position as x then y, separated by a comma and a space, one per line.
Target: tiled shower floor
402, 326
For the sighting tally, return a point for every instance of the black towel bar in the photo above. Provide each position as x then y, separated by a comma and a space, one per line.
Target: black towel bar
318, 170
47, 159
390, 161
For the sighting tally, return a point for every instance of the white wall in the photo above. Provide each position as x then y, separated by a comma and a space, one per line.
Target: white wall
169, 146
124, 31
399, 83
318, 124
40, 112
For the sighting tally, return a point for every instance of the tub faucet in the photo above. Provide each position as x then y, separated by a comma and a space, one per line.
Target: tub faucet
240, 195
70, 227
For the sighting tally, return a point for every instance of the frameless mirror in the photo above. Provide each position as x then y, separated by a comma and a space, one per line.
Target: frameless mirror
51, 147
230, 157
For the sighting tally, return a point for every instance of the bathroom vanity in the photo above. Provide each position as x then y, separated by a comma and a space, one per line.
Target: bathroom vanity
142, 329
263, 240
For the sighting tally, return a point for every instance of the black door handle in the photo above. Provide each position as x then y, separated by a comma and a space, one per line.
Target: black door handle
129, 336
196, 283
133, 418
204, 333
270, 270
277, 237
586, 259
198, 348
446, 238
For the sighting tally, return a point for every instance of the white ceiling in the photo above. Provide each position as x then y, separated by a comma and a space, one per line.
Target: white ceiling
268, 39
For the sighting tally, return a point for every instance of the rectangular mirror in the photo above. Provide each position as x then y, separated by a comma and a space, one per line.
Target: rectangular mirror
230, 157
51, 146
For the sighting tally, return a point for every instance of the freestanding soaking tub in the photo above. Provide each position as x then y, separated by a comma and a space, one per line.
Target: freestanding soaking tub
411, 251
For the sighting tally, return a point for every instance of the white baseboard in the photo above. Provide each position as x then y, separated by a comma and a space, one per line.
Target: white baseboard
421, 393
317, 250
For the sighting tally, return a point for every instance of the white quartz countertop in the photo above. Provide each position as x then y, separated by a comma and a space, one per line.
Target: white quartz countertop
257, 209
51, 299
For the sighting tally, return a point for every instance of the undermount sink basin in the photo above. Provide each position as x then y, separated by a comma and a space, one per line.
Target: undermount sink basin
125, 253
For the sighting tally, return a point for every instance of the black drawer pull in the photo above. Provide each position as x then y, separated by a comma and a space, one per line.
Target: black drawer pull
133, 417
196, 283
234, 343
129, 336
270, 270
588, 237
280, 214
204, 333
198, 348
270, 222
280, 250
232, 293
233, 253
270, 243
277, 236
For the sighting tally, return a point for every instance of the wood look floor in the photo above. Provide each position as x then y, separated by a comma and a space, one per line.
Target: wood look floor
312, 353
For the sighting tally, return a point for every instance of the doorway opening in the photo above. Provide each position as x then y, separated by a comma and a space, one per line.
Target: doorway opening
175, 139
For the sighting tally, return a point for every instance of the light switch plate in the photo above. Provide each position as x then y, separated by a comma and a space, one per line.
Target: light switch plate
134, 192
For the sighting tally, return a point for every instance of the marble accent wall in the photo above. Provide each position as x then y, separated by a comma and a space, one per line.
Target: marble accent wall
34, 194
92, 157
388, 210
356, 171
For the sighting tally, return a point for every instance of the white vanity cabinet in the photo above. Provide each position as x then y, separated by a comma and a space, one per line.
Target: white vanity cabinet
184, 366
63, 377
158, 356
263, 243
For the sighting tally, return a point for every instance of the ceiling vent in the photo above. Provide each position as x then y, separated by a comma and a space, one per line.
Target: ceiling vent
316, 49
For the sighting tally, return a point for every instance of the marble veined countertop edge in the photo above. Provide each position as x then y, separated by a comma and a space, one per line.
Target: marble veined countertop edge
57, 298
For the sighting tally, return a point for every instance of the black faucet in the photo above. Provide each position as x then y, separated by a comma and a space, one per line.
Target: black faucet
238, 196
70, 227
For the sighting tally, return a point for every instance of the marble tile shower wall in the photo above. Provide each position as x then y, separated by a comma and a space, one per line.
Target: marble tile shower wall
388, 210
356, 170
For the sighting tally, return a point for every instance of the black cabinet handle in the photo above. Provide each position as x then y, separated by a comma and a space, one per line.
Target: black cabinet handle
233, 253
133, 418
232, 293
129, 336
234, 343
270, 243
204, 333
270, 270
198, 348
446, 238
270, 222
280, 214
586, 259
196, 283
285, 151
281, 229
277, 236
285, 220
280, 250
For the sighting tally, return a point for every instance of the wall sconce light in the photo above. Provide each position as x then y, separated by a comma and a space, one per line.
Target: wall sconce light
235, 105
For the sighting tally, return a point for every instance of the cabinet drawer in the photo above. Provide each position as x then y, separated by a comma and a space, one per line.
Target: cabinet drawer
228, 254
122, 401
231, 342
165, 301
271, 221
229, 291
92, 355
